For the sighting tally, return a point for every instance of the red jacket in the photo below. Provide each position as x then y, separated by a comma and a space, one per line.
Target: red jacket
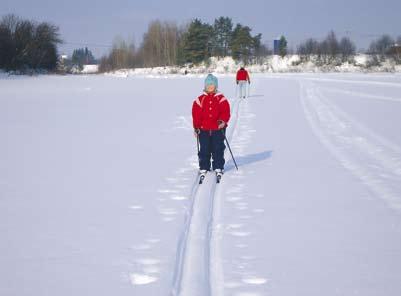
242, 75
208, 109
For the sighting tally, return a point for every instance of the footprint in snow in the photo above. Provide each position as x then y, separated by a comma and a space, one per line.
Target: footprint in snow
141, 247
234, 226
142, 279
254, 280
248, 257
168, 219
168, 214
233, 198
167, 191
153, 240
179, 197
241, 206
236, 189
183, 122
181, 186
168, 211
245, 217
240, 233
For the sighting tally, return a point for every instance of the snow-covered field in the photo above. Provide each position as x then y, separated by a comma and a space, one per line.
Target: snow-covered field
99, 196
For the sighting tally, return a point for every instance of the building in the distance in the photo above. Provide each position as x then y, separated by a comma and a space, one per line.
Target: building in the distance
276, 46
63, 57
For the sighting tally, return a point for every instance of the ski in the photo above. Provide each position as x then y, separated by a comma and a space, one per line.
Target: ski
218, 178
219, 174
202, 176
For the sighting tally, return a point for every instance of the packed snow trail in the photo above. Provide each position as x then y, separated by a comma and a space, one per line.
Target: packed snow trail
372, 159
193, 264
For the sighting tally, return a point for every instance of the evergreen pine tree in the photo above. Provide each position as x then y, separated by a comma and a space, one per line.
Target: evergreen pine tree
242, 43
82, 56
222, 34
197, 42
283, 46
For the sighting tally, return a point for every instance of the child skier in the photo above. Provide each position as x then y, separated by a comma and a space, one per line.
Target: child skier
241, 79
210, 114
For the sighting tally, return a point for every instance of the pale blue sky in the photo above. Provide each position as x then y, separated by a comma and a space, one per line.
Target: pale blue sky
99, 22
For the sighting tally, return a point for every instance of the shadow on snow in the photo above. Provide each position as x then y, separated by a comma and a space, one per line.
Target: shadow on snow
247, 159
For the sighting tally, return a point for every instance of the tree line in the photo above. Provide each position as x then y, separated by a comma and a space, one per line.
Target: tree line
333, 50
28, 45
384, 47
167, 44
328, 50
82, 56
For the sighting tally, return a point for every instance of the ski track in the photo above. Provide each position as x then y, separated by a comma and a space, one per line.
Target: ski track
375, 161
361, 94
351, 81
198, 267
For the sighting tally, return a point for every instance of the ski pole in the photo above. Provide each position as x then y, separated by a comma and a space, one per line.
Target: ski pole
197, 140
229, 148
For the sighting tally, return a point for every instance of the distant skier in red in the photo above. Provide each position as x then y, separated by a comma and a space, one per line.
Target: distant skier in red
242, 79
210, 114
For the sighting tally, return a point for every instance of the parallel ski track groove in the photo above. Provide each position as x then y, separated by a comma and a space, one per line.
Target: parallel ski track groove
374, 160
183, 240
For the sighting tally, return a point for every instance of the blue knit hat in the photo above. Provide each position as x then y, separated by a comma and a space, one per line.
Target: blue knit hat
211, 80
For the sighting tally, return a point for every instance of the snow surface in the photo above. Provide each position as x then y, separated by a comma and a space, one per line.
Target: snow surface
99, 194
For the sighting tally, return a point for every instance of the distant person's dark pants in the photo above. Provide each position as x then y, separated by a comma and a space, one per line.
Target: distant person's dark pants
211, 147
